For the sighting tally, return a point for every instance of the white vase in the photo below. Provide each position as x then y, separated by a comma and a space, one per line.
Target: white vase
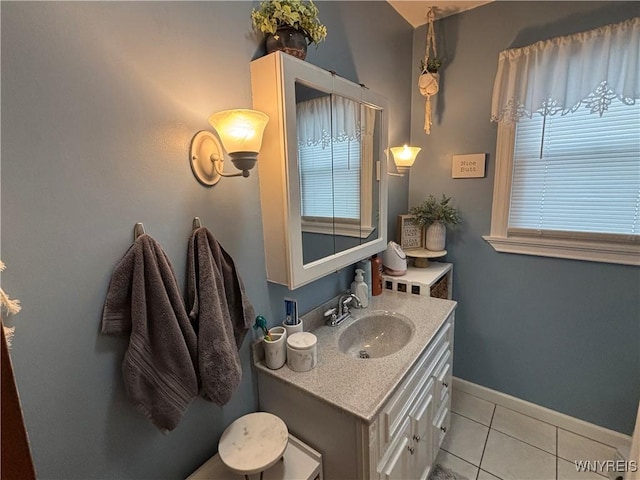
435, 237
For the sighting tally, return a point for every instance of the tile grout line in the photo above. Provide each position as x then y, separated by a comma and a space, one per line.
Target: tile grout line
486, 440
525, 442
557, 456
588, 438
469, 418
510, 436
461, 459
538, 419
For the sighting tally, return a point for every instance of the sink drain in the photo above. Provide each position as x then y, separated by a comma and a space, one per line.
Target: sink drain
364, 354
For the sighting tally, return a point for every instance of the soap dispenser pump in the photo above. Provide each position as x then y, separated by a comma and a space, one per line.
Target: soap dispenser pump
360, 289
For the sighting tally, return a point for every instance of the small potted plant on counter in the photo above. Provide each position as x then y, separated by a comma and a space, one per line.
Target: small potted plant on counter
289, 25
435, 216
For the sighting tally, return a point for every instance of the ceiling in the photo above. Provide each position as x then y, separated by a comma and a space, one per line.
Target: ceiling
415, 11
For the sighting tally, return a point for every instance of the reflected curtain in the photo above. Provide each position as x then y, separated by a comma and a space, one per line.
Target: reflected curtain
319, 117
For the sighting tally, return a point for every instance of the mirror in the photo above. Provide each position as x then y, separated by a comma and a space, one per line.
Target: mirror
322, 169
337, 138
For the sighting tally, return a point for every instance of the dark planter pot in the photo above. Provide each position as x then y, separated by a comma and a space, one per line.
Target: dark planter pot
289, 40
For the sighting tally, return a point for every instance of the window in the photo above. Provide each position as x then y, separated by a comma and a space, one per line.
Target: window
567, 178
330, 183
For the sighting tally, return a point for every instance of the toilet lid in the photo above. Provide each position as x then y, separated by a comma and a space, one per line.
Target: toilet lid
253, 443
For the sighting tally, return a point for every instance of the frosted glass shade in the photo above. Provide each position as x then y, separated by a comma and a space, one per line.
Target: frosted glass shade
404, 157
240, 130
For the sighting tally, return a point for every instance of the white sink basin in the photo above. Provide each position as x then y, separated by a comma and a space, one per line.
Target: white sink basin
376, 335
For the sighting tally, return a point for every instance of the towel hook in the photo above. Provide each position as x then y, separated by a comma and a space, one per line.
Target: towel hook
138, 230
196, 223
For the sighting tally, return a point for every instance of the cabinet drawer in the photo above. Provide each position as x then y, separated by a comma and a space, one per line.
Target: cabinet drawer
441, 425
398, 407
442, 375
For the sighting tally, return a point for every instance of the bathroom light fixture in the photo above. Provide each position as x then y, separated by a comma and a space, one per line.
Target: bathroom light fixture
240, 132
404, 157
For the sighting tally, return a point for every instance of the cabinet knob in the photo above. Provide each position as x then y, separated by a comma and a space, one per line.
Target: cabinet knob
444, 429
416, 438
411, 449
445, 384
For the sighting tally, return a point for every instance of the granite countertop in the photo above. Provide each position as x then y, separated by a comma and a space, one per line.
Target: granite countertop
361, 386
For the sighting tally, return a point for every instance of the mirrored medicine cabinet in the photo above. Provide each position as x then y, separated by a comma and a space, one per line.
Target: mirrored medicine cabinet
322, 169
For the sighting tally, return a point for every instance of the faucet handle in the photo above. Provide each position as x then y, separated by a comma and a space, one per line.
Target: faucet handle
358, 301
330, 312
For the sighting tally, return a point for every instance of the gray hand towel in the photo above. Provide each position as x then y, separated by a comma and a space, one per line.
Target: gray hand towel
144, 301
221, 314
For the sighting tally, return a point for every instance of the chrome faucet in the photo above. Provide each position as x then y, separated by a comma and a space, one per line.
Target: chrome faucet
340, 313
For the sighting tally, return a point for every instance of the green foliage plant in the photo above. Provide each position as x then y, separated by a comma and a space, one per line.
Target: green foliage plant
432, 65
303, 16
432, 210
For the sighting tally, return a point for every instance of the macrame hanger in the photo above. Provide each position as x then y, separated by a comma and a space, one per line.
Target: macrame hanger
431, 38
428, 81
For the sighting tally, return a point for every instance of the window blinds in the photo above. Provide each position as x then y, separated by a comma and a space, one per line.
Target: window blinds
330, 184
578, 173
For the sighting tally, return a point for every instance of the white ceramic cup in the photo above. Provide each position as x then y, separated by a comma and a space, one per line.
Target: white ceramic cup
291, 329
275, 351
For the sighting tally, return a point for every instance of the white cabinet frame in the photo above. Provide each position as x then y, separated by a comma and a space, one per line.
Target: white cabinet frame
273, 79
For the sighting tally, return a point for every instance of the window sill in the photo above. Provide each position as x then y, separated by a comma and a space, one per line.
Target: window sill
608, 252
337, 228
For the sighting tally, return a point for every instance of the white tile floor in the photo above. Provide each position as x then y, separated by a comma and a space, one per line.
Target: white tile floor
489, 442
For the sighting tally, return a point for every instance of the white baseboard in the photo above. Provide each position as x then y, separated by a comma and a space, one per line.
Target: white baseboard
604, 435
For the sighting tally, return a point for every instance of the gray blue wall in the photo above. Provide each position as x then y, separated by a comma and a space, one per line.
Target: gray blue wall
99, 104
559, 333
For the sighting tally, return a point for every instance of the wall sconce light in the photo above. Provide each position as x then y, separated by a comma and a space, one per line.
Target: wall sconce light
403, 157
240, 133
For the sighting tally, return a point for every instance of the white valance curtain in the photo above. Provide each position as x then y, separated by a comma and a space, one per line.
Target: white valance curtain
557, 76
319, 117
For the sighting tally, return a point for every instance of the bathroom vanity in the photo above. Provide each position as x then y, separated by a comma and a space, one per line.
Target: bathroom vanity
382, 417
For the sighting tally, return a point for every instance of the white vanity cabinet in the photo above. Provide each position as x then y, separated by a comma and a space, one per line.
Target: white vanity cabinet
413, 423
402, 438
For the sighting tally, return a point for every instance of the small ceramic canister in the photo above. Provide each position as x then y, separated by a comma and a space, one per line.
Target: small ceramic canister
275, 351
302, 351
291, 329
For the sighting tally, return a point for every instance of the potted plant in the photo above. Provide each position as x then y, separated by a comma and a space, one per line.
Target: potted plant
289, 25
436, 216
429, 84
432, 65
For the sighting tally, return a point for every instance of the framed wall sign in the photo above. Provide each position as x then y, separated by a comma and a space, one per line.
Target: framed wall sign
468, 166
409, 232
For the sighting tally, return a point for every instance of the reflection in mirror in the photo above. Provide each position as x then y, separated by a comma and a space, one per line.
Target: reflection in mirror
337, 141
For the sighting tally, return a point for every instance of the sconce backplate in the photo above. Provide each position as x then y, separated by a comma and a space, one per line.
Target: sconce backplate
204, 152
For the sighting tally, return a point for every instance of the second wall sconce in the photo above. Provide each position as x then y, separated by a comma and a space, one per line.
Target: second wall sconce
403, 157
240, 133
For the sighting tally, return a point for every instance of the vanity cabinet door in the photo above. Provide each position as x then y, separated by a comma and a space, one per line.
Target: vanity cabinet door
441, 425
398, 464
421, 419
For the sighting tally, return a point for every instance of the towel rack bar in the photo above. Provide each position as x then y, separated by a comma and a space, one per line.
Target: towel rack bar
138, 230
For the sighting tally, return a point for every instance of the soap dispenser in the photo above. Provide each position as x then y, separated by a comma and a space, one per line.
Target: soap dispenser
360, 289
